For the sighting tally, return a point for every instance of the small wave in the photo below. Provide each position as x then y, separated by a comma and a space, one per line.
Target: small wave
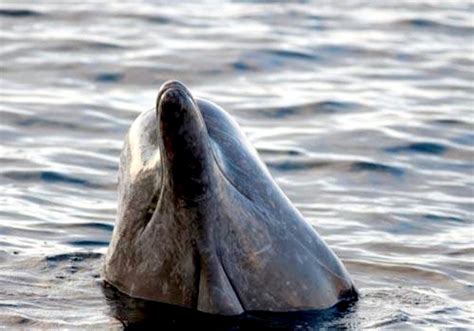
333, 106
390, 321
403, 270
88, 243
449, 121
422, 23
465, 139
377, 167
267, 59
422, 147
19, 13
109, 77
17, 319
77, 256
439, 218
41, 122
450, 310
344, 51
241, 65
281, 151
69, 44
158, 19
295, 165
73, 226
46, 176
418, 22
468, 251
97, 225
154, 18
292, 54
325, 107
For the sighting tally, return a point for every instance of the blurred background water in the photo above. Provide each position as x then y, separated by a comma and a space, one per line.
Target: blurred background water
362, 110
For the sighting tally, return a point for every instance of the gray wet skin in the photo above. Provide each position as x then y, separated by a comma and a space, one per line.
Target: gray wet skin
202, 224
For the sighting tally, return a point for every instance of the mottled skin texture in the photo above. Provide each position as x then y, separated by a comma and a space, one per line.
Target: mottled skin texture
202, 224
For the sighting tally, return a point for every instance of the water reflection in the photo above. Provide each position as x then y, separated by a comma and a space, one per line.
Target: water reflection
139, 314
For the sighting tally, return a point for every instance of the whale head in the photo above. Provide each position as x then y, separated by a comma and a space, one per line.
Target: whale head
202, 224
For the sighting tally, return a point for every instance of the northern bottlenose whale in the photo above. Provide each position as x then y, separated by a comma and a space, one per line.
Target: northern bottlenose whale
202, 224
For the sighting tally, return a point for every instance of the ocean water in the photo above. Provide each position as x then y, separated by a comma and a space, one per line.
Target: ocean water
362, 110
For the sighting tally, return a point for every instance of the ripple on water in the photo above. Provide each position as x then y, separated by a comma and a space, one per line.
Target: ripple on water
420, 147
393, 320
88, 243
75, 256
48, 177
362, 166
43, 122
95, 225
19, 13
320, 108
281, 151
109, 77
421, 23
298, 165
271, 59
444, 219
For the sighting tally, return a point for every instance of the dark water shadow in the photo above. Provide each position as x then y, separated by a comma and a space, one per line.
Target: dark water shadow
138, 314
49, 177
19, 13
420, 147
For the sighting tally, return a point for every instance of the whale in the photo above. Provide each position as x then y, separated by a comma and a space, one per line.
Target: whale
202, 224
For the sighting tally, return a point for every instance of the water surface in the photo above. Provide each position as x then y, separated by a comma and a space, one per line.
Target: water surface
363, 112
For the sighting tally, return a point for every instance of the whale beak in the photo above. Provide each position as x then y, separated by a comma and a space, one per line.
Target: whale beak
187, 158
178, 116
172, 85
